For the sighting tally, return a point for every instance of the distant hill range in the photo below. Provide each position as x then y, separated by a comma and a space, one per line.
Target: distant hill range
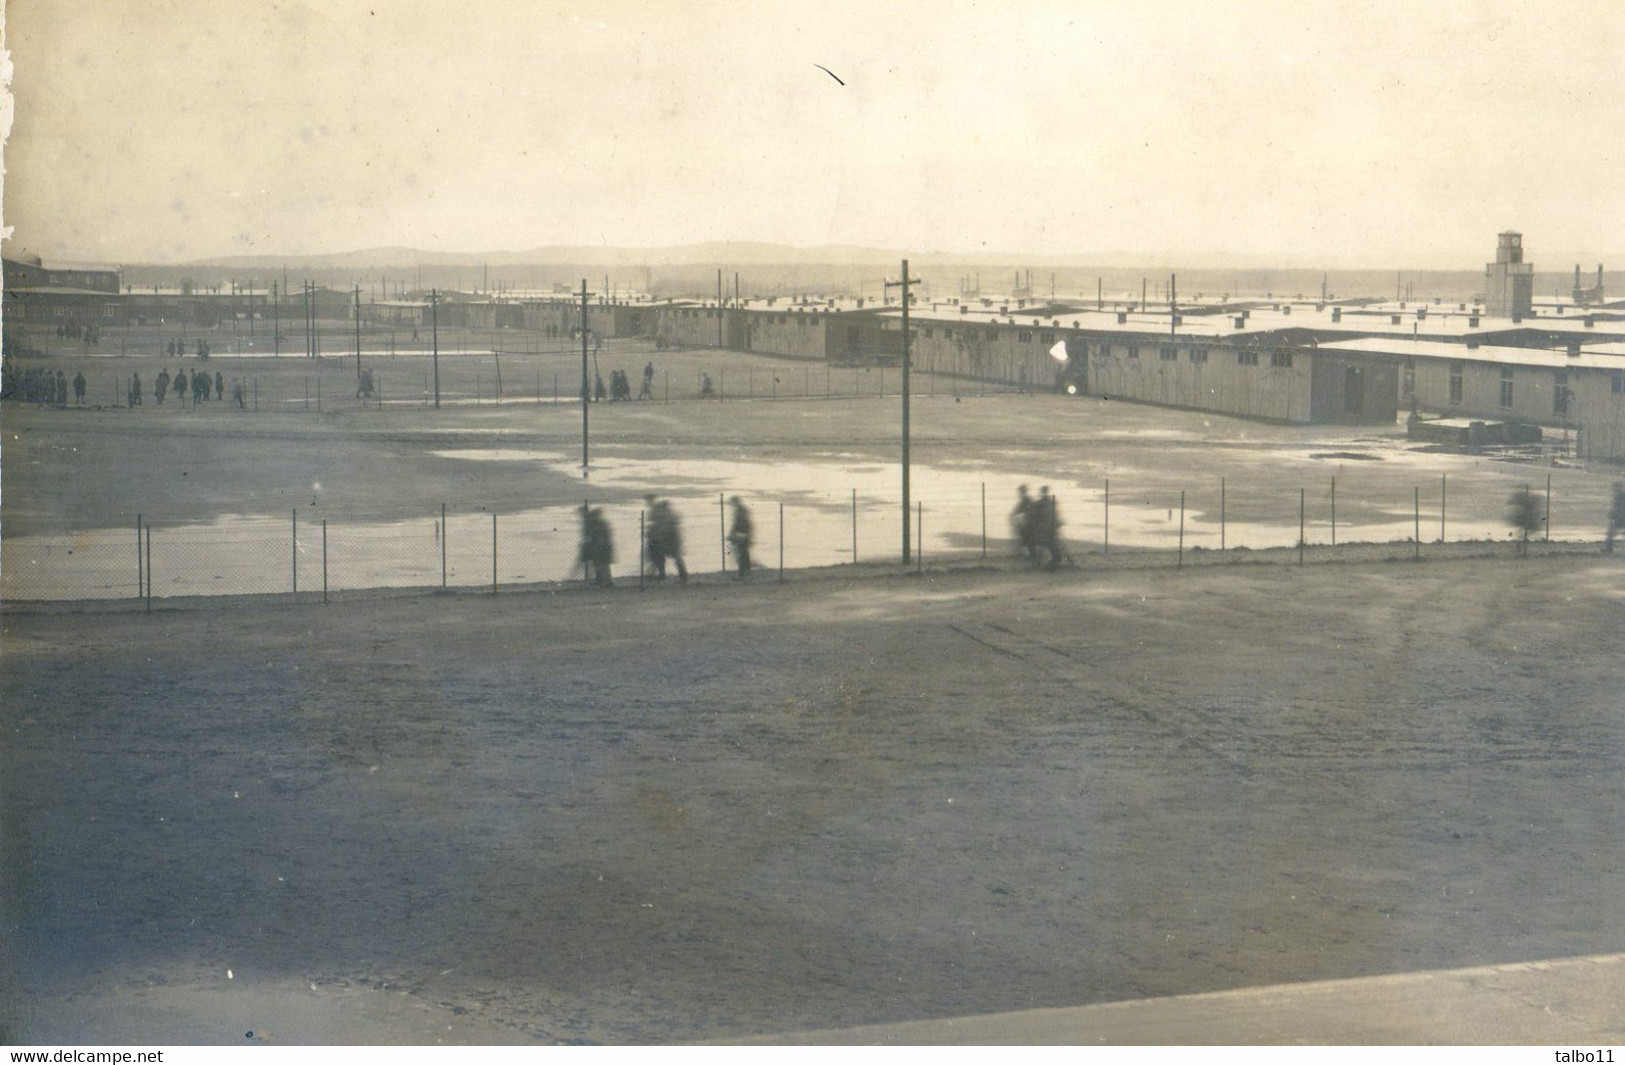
737, 254
768, 269
730, 253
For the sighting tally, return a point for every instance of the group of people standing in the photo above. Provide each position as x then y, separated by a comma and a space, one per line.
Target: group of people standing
177, 349
1037, 525
90, 334
37, 384
663, 541
198, 384
620, 386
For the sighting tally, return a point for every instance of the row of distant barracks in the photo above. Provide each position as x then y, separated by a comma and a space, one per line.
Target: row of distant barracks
1560, 366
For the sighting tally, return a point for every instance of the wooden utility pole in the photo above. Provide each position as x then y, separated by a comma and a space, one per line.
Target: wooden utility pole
719, 307
434, 334
904, 284
276, 319
358, 335
585, 391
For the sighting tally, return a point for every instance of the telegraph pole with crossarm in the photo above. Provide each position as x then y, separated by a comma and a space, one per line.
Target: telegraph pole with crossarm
904, 284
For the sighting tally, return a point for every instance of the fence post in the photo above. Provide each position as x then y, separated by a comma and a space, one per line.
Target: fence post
324, 560
493, 552
1300, 525
984, 521
722, 533
256, 394
1180, 563
919, 535
781, 543
318, 395
1221, 516
1416, 535
149, 569
444, 536
140, 578
1106, 521
1443, 485
642, 539
854, 526
296, 552
1548, 508
307, 393
1334, 510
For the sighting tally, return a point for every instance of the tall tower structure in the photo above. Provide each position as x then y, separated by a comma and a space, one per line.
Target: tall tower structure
1509, 282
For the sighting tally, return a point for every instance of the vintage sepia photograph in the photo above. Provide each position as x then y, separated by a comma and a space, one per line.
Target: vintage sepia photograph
647, 524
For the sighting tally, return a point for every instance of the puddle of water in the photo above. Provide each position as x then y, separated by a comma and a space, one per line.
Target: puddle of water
498, 454
959, 508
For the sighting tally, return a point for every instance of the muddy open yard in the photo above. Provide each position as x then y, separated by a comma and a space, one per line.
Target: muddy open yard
860, 795
726, 810
219, 487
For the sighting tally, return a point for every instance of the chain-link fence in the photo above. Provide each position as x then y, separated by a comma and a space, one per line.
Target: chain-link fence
318, 551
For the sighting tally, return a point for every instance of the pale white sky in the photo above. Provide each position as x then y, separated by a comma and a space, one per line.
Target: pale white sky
1352, 134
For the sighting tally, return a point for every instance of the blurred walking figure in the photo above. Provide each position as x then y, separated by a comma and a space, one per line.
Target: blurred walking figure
179, 384
160, 386
237, 393
647, 391
597, 547
61, 389
79, 388
1023, 521
1047, 531
598, 387
135, 390
363, 388
740, 536
219, 385
706, 389
665, 538
1616, 518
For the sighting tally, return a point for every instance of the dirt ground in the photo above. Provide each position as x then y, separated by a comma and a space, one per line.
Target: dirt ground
728, 810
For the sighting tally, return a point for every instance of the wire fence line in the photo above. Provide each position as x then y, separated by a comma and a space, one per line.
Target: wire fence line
314, 552
492, 378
